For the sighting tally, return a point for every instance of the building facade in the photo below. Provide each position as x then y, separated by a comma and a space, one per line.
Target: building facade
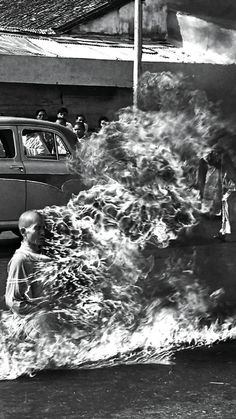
79, 54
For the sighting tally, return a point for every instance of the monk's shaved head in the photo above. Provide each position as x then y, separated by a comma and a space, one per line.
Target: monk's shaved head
28, 218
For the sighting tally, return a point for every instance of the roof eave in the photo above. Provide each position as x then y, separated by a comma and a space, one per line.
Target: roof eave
27, 31
89, 16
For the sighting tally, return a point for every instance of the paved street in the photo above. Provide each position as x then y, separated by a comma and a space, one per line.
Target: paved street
200, 383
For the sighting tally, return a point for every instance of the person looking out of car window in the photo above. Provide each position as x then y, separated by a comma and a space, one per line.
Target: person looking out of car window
23, 292
62, 115
35, 143
41, 114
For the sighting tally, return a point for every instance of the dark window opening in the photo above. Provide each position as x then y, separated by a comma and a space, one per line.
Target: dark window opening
7, 147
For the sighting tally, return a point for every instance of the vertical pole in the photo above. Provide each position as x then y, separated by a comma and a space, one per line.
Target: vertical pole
137, 49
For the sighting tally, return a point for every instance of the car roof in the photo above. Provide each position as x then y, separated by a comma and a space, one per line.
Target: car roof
13, 120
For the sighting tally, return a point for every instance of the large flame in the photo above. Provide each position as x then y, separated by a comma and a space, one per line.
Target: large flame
141, 176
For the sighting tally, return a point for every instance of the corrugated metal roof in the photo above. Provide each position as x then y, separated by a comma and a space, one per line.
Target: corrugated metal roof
49, 16
105, 49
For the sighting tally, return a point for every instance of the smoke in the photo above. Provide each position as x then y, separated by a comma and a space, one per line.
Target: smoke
140, 173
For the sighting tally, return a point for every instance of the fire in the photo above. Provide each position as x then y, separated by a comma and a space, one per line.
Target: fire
141, 176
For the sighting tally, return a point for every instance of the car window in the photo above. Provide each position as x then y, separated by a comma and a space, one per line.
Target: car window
7, 147
39, 144
62, 149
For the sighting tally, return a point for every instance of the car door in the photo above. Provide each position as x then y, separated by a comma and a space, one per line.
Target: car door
44, 154
12, 176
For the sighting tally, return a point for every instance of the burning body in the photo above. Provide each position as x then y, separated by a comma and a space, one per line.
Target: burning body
23, 291
140, 191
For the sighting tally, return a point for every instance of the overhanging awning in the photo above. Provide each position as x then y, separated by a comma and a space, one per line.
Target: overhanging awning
77, 61
94, 49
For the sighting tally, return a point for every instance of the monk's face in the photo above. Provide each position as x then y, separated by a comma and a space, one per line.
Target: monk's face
34, 232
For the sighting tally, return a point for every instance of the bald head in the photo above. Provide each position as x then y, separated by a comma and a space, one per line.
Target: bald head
28, 218
31, 226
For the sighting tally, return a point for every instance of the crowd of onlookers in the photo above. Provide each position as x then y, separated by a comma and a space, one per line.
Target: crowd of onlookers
80, 126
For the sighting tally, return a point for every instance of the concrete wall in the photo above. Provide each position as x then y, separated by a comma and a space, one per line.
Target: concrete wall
64, 71
121, 21
22, 99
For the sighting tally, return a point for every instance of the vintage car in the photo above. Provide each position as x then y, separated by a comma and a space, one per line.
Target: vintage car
34, 167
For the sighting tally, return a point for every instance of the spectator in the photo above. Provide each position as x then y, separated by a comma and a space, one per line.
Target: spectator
217, 184
210, 182
62, 115
81, 118
102, 122
41, 114
61, 121
79, 130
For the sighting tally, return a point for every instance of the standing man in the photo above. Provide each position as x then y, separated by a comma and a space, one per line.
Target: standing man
62, 115
79, 130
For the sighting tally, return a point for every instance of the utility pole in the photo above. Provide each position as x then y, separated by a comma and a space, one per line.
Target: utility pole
138, 23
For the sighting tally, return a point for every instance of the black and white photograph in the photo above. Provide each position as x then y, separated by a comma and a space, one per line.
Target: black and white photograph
117, 209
